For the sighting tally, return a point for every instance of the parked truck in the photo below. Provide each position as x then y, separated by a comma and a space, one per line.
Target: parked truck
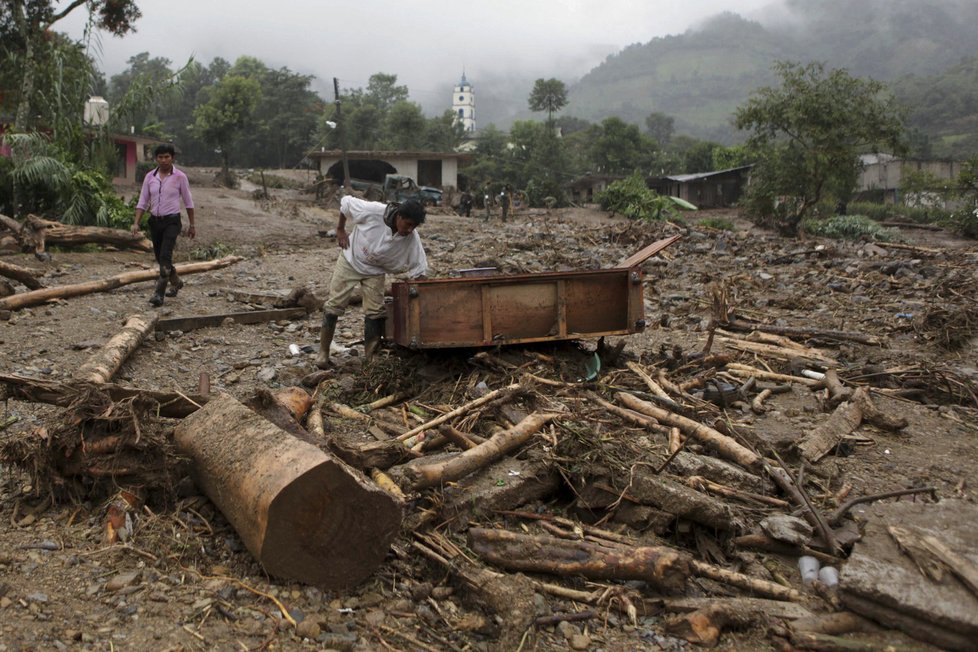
397, 187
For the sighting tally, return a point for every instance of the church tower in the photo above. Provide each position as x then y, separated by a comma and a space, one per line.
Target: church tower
463, 105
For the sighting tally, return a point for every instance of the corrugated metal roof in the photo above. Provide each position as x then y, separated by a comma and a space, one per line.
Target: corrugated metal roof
682, 178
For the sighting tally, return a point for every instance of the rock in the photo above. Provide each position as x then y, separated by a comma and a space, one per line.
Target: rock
122, 580
580, 642
882, 583
308, 628
266, 374
789, 529
568, 630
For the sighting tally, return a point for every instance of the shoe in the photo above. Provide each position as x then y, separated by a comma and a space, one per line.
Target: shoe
373, 331
176, 283
325, 339
157, 299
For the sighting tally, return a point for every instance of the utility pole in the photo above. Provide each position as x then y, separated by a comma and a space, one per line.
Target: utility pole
342, 126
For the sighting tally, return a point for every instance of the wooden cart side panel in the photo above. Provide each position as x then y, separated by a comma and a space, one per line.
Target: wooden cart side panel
450, 313
525, 310
597, 304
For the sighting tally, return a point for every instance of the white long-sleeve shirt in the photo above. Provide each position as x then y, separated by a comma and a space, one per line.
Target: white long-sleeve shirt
376, 249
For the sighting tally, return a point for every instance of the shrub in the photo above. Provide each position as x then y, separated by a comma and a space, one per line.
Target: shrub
211, 251
962, 222
848, 227
633, 199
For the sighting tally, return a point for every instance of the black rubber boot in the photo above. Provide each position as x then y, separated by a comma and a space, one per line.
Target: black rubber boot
157, 298
373, 330
175, 284
325, 339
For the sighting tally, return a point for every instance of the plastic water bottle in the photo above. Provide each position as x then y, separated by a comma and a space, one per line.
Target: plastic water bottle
828, 576
809, 569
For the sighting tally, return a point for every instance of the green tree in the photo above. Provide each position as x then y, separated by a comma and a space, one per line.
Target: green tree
660, 127
404, 127
383, 91
806, 136
620, 148
25, 25
226, 114
548, 95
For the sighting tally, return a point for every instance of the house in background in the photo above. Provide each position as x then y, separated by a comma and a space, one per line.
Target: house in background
130, 151
717, 189
583, 190
438, 169
881, 176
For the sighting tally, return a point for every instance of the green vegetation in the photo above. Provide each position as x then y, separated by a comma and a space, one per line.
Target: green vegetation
633, 199
211, 252
806, 135
848, 227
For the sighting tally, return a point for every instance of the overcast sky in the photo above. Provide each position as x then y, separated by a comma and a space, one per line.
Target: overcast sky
426, 43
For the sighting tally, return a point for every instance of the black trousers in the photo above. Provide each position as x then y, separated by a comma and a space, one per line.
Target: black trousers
163, 230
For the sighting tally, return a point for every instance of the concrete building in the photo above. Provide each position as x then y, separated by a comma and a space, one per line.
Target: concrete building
881, 176
438, 169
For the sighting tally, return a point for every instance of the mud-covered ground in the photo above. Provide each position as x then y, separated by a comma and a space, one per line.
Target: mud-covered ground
184, 580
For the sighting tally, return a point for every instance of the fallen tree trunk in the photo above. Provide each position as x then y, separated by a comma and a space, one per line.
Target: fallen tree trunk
103, 365
301, 512
673, 497
173, 405
428, 475
727, 447
800, 331
47, 231
35, 297
25, 276
660, 566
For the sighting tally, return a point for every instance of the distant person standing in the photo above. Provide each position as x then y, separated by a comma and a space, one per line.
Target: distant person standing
504, 199
465, 204
161, 194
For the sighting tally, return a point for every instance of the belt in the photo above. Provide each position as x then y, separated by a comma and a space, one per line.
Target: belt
160, 217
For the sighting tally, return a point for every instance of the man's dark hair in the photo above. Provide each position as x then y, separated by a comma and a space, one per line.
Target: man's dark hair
164, 148
412, 210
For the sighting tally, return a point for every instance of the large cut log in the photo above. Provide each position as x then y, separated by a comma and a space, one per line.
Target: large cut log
170, 404
35, 297
727, 447
301, 512
103, 365
26, 276
428, 475
48, 232
663, 567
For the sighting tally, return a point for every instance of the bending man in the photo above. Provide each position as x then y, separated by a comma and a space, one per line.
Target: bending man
383, 242
163, 188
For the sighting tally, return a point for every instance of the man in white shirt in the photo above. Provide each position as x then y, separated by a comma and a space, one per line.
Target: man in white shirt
383, 242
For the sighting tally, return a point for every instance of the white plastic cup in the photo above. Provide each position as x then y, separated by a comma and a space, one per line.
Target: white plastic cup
828, 576
809, 569
294, 350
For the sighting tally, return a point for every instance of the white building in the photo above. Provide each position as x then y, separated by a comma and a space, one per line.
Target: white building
463, 104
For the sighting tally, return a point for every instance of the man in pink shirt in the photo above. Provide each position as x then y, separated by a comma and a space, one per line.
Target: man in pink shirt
162, 191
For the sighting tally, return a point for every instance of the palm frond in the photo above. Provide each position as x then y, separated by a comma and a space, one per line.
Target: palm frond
44, 171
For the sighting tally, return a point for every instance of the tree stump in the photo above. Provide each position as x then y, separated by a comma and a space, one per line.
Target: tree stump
302, 513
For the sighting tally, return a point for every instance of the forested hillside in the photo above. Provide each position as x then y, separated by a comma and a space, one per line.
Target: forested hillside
922, 47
